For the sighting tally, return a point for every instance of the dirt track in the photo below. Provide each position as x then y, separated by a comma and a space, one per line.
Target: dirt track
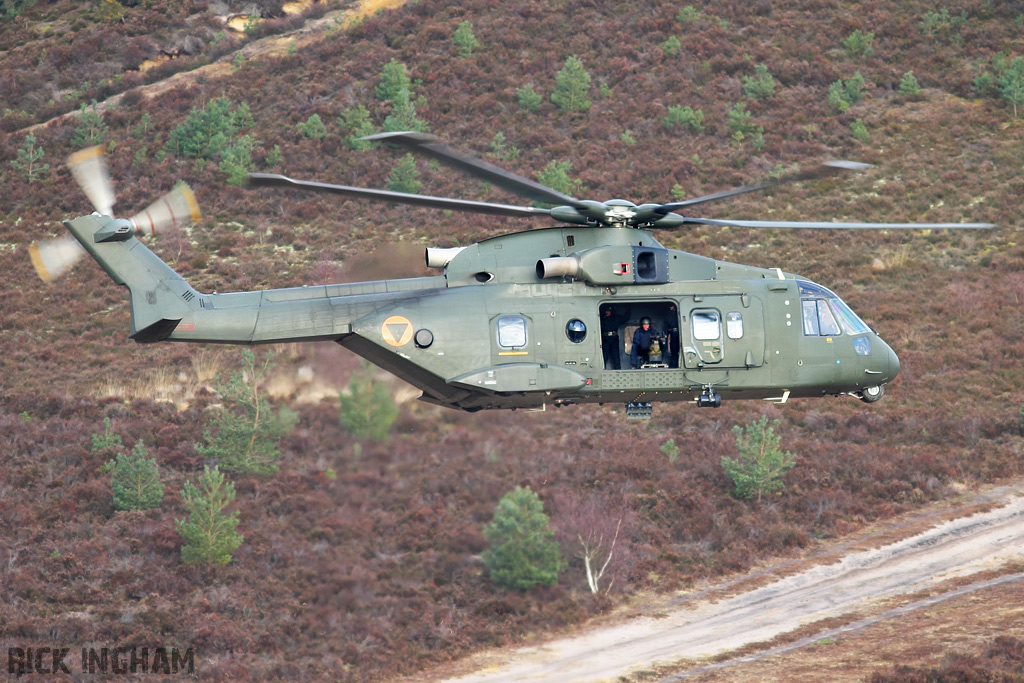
856, 584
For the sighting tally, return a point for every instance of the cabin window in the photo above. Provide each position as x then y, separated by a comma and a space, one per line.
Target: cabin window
576, 330
734, 325
511, 331
707, 325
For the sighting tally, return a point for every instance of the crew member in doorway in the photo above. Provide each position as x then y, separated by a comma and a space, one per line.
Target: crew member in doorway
611, 320
642, 339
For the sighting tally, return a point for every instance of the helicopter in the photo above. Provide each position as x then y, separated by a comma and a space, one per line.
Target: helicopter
591, 310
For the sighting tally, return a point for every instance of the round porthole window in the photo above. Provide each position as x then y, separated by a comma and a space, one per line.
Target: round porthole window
575, 330
423, 338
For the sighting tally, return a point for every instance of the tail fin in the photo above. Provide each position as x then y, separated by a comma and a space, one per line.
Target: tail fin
159, 297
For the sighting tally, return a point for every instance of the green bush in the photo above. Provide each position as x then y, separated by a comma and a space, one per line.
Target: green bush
209, 534
135, 479
523, 553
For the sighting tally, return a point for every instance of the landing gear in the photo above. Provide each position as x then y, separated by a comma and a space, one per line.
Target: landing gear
872, 394
709, 398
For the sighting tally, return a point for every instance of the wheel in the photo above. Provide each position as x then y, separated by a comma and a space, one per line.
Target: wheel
872, 394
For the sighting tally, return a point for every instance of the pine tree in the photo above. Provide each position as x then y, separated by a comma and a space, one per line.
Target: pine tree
465, 41
209, 534
393, 80
571, 86
367, 410
1010, 84
529, 98
556, 176
357, 122
313, 128
135, 479
523, 553
244, 436
28, 159
404, 177
91, 129
761, 464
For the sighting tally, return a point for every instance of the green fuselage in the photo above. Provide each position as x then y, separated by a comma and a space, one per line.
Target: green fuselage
500, 330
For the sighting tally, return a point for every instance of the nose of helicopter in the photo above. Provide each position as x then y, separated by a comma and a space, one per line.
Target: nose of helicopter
894, 363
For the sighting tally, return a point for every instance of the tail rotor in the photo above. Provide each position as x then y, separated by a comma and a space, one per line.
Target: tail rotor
176, 209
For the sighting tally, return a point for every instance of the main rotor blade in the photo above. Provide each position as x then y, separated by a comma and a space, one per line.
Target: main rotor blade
429, 146
822, 170
276, 180
839, 225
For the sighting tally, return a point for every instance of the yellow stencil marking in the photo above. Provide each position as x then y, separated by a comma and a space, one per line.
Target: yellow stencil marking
396, 331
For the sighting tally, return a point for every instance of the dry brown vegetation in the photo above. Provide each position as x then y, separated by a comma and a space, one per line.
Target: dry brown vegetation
375, 571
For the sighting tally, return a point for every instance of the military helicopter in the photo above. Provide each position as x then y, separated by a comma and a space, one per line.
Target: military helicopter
545, 317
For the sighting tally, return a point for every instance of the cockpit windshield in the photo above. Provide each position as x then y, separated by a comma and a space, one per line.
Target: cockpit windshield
824, 313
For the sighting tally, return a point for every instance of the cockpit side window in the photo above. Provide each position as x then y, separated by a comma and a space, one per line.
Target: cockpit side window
810, 312
825, 314
826, 321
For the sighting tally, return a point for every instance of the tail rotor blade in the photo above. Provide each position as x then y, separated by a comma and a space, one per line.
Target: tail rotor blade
176, 209
53, 258
89, 168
